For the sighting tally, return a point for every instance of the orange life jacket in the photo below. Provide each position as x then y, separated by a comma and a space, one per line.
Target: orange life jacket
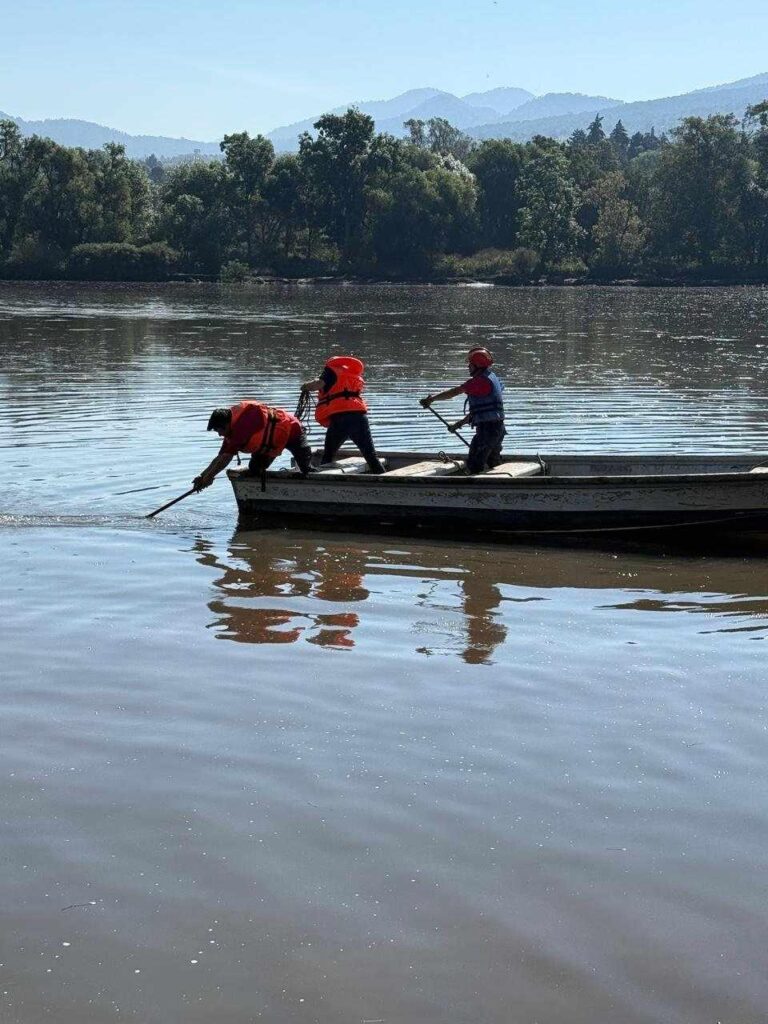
346, 393
272, 436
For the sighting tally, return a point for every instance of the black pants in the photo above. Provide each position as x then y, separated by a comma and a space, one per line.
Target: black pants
354, 427
299, 449
485, 449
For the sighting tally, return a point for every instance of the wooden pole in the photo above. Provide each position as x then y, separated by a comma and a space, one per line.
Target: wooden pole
460, 436
162, 508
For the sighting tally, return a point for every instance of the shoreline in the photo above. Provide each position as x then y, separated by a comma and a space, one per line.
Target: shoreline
347, 280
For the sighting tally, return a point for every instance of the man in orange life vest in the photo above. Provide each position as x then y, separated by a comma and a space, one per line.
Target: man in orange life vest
260, 430
342, 410
484, 397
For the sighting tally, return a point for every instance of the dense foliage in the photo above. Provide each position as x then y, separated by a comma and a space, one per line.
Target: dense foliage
434, 204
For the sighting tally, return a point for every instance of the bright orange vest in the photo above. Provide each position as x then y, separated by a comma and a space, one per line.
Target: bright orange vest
346, 393
272, 438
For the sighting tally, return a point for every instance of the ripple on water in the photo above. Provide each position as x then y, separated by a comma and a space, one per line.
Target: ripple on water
286, 775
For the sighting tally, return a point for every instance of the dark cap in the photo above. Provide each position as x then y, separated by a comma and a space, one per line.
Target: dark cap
219, 419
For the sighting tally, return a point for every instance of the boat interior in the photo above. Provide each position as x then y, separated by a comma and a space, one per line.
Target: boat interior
422, 466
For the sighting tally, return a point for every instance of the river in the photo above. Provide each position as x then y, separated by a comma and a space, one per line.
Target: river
315, 778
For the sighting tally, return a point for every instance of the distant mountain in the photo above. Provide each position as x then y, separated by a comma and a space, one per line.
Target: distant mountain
552, 104
498, 113
467, 112
503, 100
398, 109
740, 83
662, 115
88, 135
460, 114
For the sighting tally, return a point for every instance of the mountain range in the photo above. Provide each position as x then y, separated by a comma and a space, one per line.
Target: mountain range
468, 113
497, 113
88, 135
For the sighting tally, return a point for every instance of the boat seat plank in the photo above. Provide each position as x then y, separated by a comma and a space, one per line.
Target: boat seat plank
515, 469
421, 469
343, 467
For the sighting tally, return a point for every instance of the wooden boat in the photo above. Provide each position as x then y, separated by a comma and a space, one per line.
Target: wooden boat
525, 495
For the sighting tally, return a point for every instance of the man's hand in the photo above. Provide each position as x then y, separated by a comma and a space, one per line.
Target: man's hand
425, 402
455, 426
201, 482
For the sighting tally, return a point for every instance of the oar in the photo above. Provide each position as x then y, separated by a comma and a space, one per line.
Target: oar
436, 413
162, 508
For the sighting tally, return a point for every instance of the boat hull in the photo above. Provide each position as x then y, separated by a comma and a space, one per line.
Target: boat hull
726, 498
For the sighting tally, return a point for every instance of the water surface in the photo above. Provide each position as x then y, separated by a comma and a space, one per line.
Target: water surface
295, 776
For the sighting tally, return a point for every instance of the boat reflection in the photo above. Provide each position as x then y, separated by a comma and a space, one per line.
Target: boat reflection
269, 596
281, 587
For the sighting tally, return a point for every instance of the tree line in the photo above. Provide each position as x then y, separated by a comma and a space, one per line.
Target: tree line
436, 204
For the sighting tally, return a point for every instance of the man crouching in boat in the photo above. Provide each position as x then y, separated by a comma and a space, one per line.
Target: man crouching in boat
260, 430
341, 409
486, 411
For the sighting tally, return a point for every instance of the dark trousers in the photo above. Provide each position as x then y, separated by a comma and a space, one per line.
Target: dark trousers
354, 427
299, 449
485, 449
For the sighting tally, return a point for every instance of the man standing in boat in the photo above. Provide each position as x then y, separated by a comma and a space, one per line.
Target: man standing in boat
341, 409
259, 430
484, 400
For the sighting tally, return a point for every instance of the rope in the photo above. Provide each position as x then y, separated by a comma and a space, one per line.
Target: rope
450, 460
305, 411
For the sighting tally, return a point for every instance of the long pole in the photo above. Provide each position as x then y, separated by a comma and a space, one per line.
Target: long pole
162, 508
442, 420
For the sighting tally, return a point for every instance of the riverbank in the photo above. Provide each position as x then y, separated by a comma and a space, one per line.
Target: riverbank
344, 280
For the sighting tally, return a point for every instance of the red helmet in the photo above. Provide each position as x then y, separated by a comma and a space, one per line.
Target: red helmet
480, 358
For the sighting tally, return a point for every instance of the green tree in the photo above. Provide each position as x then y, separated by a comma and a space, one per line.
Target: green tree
548, 203
195, 216
756, 124
13, 183
619, 140
121, 194
415, 217
443, 138
643, 142
248, 162
417, 135
618, 234
154, 169
595, 133
61, 202
338, 165
702, 179
497, 165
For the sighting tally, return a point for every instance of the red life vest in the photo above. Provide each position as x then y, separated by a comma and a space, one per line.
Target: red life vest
345, 395
272, 437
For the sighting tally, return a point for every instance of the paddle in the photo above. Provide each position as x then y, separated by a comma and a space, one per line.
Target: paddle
442, 420
162, 508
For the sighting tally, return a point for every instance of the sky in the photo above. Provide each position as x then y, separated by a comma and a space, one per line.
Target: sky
199, 68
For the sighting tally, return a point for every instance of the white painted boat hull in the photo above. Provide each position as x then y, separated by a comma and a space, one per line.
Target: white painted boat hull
580, 494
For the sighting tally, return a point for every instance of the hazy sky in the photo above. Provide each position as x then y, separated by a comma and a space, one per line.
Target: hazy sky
201, 68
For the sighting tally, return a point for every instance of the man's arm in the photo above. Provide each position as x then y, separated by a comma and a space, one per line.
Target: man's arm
312, 385
459, 423
442, 396
208, 475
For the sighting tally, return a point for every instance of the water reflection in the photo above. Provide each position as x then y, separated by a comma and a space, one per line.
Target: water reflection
256, 582
751, 611
268, 586
283, 587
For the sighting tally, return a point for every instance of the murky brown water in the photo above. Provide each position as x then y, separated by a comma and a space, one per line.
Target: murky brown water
297, 777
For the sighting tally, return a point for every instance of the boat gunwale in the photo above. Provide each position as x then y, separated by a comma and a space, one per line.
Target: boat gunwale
499, 481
